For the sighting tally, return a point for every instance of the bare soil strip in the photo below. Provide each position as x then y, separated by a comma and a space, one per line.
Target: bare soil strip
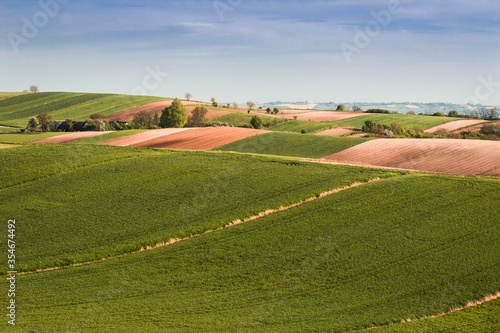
236, 222
141, 137
339, 131
201, 138
66, 138
454, 125
443, 156
468, 305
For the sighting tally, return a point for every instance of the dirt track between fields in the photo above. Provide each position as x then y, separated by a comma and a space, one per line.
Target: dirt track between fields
339, 131
147, 108
444, 156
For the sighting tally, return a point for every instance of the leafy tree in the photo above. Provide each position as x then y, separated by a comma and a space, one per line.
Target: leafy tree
250, 105
144, 120
341, 107
411, 112
488, 113
268, 110
34, 89
198, 117
174, 116
188, 96
96, 124
45, 120
256, 122
378, 111
32, 124
276, 110
69, 125
438, 114
214, 102
356, 108
453, 113
295, 117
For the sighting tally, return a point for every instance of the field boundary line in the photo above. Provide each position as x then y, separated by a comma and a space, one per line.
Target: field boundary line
233, 223
470, 304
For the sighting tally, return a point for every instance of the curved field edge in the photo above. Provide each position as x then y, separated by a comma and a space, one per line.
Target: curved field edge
122, 205
474, 319
291, 144
406, 247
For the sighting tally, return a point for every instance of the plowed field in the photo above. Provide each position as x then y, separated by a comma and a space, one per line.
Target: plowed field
70, 137
339, 131
202, 138
454, 125
323, 115
455, 157
148, 108
141, 137
474, 128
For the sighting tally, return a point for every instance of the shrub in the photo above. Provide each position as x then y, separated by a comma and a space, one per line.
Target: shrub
378, 111
256, 122
454, 114
439, 114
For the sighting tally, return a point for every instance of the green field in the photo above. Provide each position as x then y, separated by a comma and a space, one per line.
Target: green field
26, 137
480, 319
104, 201
15, 111
423, 122
405, 247
292, 144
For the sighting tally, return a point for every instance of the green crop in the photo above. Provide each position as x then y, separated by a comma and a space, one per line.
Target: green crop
291, 144
406, 247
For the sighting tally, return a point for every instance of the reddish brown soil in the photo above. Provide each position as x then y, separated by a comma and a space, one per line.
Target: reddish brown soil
70, 137
202, 138
339, 131
211, 114
323, 115
455, 157
141, 137
454, 125
148, 108
473, 128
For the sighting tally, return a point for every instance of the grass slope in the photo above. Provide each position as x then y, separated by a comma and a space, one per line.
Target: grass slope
26, 137
423, 122
15, 111
405, 247
120, 205
292, 144
238, 118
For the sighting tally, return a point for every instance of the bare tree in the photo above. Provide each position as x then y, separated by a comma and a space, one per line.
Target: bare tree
250, 105
32, 124
214, 102
235, 105
188, 96
34, 89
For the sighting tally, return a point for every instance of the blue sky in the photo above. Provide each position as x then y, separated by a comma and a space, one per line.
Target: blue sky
241, 50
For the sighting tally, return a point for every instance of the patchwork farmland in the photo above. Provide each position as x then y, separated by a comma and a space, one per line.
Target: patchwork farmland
225, 229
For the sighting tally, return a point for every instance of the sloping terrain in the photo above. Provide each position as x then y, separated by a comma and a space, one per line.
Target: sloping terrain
454, 125
201, 138
455, 157
70, 137
143, 136
323, 115
15, 111
291, 144
339, 131
401, 248
147, 108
